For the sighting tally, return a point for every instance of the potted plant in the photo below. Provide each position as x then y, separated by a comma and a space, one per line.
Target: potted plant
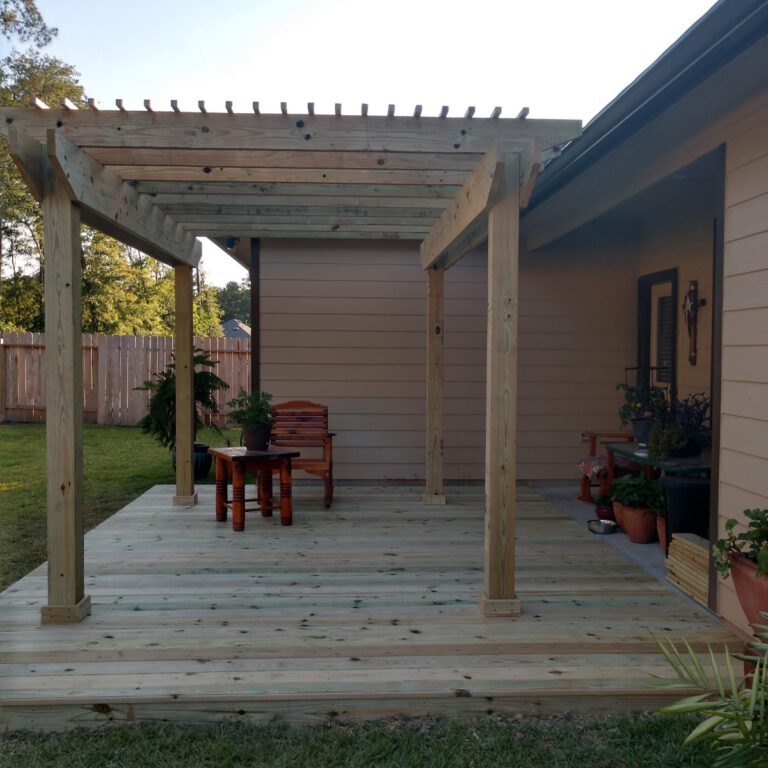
744, 556
639, 498
604, 507
252, 412
160, 419
642, 404
683, 430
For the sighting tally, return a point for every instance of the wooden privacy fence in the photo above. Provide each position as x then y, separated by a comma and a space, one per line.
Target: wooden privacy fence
113, 366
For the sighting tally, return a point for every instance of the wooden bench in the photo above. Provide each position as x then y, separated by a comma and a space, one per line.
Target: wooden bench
302, 424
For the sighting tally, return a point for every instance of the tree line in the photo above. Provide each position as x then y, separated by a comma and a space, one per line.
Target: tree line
123, 290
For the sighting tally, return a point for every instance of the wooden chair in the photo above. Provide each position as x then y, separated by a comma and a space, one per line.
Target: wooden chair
303, 424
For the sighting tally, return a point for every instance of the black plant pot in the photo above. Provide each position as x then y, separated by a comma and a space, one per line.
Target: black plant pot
642, 428
256, 437
201, 461
687, 504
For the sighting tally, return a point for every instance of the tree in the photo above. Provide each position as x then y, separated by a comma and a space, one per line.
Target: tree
123, 291
21, 19
235, 301
23, 75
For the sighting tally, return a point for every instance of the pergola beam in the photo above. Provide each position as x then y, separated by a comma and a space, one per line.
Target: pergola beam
28, 156
471, 202
258, 158
327, 175
355, 133
118, 210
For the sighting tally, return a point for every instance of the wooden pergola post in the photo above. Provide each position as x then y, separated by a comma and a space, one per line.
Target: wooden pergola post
67, 601
499, 597
434, 492
185, 430
254, 273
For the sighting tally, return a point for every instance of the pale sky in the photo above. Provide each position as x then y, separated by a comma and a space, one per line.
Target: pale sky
560, 58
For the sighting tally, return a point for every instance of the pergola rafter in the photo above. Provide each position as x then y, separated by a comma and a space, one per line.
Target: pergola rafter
159, 179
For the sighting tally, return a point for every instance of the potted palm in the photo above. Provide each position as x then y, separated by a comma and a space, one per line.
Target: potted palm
160, 419
744, 556
252, 412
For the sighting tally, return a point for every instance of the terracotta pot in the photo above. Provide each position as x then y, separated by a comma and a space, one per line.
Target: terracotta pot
618, 514
661, 531
752, 590
640, 525
604, 512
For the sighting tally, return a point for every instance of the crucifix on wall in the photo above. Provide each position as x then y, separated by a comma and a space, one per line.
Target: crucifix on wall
691, 304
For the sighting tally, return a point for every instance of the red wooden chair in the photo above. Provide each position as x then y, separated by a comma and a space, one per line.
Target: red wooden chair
303, 424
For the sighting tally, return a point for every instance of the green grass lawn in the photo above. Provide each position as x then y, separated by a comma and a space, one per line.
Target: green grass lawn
644, 741
120, 463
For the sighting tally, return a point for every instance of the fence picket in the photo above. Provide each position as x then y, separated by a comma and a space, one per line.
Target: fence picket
113, 366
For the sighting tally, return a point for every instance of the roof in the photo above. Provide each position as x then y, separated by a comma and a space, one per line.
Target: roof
725, 31
168, 177
236, 329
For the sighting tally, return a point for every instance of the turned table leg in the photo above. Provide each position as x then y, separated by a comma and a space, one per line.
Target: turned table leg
238, 496
264, 481
221, 489
286, 503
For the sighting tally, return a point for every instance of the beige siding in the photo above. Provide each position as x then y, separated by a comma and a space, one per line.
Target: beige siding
744, 443
345, 324
682, 237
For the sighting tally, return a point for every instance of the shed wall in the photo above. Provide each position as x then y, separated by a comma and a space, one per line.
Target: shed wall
345, 324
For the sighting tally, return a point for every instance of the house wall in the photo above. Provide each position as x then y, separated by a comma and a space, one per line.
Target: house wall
744, 435
681, 235
344, 323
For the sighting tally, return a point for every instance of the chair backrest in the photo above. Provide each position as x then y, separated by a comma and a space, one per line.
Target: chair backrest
299, 422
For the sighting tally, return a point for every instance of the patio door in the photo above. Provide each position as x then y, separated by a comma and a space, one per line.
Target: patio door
657, 330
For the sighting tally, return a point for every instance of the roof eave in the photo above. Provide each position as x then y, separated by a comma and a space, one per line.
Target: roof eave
726, 30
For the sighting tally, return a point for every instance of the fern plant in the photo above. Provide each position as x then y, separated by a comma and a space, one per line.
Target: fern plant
160, 419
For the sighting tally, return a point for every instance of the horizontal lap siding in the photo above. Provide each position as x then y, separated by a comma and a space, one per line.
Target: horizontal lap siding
576, 338
344, 324
744, 439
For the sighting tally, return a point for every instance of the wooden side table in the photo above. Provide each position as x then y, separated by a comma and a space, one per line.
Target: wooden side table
234, 463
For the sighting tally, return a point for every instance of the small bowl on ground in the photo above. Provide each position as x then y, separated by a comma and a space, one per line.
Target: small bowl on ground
602, 526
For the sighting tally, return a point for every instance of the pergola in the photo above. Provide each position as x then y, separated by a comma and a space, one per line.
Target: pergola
157, 180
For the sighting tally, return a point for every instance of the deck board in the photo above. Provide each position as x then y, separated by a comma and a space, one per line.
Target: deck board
368, 609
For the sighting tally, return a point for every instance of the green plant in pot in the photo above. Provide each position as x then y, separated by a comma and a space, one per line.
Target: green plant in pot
683, 430
604, 507
639, 498
160, 419
744, 555
642, 405
252, 412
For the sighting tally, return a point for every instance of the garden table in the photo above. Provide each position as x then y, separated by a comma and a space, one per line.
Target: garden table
234, 463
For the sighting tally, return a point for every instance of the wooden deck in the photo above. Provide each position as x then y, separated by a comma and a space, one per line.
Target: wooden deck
365, 610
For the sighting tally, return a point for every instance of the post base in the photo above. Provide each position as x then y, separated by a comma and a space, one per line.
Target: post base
434, 498
185, 501
498, 606
66, 614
